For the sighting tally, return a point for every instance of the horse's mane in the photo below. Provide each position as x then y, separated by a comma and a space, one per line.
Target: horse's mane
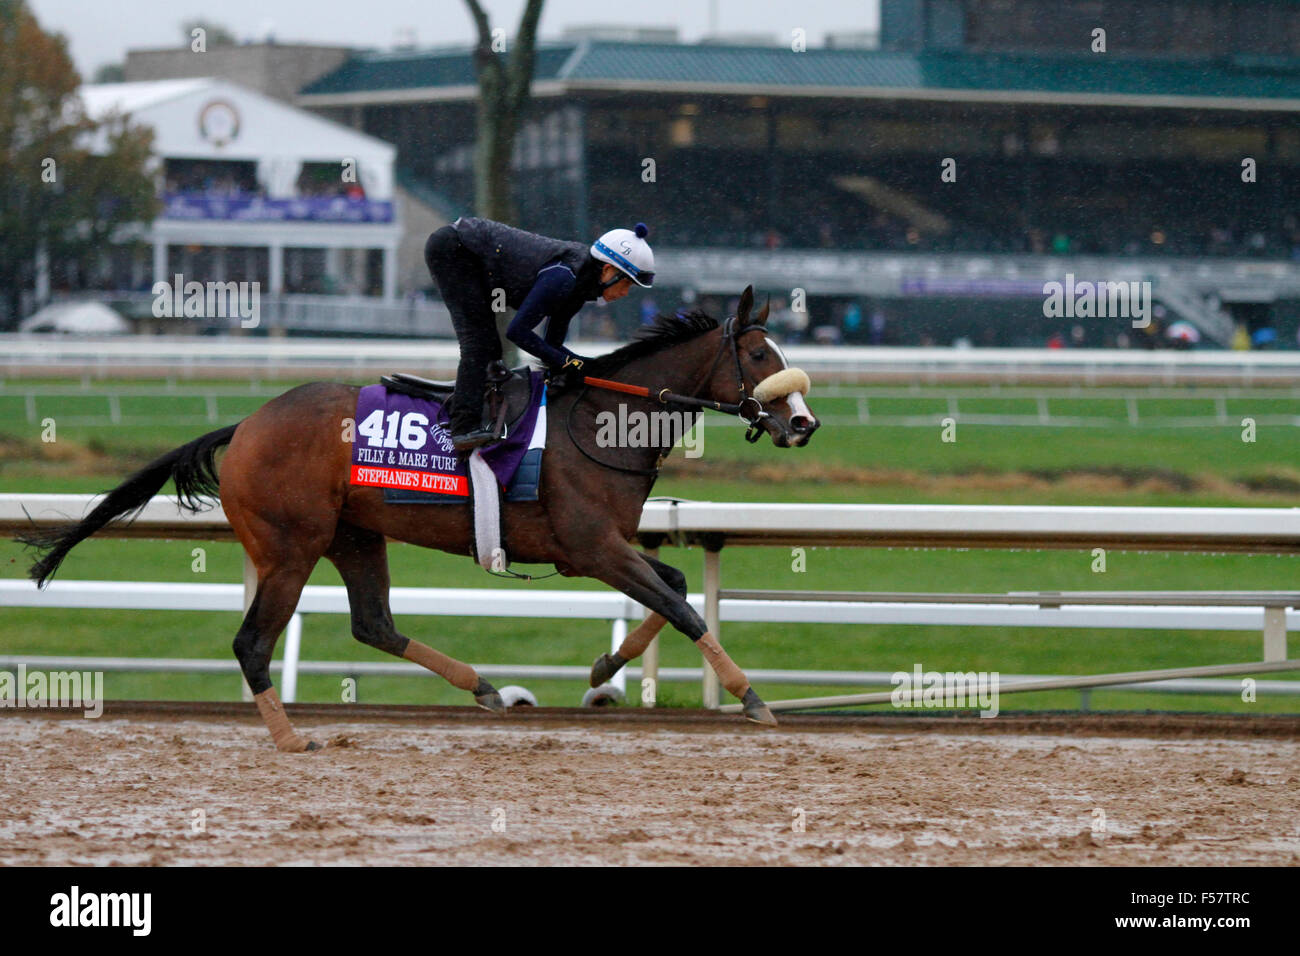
665, 331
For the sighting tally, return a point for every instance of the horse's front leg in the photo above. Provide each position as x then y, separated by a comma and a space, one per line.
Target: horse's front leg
636, 642
626, 569
634, 645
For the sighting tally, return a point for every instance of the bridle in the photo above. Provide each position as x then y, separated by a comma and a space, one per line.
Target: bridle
749, 409
731, 337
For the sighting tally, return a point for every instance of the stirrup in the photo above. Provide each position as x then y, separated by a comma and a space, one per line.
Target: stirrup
475, 438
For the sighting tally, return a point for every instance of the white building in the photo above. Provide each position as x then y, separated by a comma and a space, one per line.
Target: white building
256, 190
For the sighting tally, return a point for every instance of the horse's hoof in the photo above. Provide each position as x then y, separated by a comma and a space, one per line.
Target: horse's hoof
312, 745
605, 667
486, 696
756, 710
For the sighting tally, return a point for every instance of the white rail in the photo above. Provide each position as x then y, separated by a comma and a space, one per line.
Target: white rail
1205, 406
613, 607
524, 672
716, 524
191, 356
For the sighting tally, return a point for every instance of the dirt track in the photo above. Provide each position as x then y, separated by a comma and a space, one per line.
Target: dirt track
566, 791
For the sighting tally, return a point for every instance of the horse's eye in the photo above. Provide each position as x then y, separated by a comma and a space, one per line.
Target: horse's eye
759, 355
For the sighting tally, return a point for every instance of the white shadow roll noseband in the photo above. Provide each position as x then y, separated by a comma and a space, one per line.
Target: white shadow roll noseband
778, 385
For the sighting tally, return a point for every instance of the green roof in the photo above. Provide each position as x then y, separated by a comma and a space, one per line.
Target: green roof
406, 70
720, 68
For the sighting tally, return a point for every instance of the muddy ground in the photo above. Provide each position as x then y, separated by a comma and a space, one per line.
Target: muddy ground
173, 789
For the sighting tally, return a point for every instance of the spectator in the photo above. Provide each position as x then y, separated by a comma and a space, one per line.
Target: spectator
648, 311
796, 320
827, 335
877, 334
852, 321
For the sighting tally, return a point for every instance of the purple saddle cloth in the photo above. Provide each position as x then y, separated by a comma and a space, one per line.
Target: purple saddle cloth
402, 445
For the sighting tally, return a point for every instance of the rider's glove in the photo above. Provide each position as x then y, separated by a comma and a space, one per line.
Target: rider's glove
559, 378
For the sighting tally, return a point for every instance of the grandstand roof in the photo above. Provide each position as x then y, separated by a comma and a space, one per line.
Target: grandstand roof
1109, 79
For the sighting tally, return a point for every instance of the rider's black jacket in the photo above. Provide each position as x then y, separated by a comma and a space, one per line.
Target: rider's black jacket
542, 278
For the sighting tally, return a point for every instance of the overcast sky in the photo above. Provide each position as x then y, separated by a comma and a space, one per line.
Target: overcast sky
101, 31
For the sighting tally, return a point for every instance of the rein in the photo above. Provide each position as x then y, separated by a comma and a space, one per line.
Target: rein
664, 396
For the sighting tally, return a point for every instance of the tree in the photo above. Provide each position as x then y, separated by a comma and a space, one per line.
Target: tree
67, 184
504, 83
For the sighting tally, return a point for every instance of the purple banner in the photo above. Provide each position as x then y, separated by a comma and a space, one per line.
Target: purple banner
257, 209
1000, 288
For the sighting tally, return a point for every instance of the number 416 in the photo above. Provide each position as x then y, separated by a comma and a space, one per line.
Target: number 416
411, 430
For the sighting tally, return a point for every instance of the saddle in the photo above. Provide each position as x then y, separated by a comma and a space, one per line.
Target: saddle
506, 401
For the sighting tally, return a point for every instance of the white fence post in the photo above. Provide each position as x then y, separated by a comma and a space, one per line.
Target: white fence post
712, 619
292, 649
616, 635
649, 693
1274, 633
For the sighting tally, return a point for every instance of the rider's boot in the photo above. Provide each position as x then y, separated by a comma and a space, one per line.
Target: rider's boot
473, 435
468, 433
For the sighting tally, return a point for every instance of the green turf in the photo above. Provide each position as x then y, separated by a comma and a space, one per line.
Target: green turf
1088, 407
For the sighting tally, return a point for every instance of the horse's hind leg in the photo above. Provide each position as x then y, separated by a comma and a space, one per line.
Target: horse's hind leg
273, 605
361, 557
283, 479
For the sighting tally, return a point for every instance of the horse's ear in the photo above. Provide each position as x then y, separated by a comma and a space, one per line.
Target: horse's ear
746, 303
761, 318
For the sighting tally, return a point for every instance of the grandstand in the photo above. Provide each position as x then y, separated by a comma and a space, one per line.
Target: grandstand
1067, 159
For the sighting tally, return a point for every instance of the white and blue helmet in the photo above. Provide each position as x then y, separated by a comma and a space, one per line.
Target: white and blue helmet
628, 252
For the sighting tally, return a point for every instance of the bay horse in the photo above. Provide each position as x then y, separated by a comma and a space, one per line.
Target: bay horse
284, 484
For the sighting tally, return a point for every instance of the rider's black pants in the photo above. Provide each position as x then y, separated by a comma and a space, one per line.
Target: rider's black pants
464, 288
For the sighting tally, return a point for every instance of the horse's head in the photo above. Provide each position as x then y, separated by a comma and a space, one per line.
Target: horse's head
753, 371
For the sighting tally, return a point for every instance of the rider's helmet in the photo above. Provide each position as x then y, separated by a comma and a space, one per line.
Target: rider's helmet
628, 252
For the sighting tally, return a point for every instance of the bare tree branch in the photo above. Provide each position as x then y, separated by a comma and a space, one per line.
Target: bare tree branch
504, 83
523, 58
486, 62
480, 17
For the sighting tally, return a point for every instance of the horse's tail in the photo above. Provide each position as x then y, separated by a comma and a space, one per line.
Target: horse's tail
191, 466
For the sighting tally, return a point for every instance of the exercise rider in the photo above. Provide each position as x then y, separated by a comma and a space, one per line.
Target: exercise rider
478, 263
